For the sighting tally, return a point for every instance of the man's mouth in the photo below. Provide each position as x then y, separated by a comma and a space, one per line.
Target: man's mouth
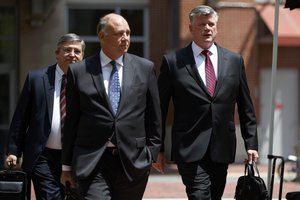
207, 35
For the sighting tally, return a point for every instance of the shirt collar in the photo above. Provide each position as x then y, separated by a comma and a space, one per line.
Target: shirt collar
105, 60
59, 72
197, 50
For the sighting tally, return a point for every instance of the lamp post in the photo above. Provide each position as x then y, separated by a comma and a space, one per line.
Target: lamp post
273, 87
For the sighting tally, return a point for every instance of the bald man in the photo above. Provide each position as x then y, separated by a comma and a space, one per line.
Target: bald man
112, 130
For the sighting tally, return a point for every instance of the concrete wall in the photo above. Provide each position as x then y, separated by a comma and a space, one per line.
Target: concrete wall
37, 44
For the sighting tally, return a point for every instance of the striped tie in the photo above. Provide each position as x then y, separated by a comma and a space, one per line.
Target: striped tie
63, 101
209, 73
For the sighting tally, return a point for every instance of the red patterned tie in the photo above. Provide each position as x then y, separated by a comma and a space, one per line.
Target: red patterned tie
63, 101
209, 73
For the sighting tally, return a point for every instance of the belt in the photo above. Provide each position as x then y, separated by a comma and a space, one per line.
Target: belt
47, 149
112, 150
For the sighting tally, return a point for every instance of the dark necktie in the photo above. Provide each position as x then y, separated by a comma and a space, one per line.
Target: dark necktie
114, 88
209, 73
62, 103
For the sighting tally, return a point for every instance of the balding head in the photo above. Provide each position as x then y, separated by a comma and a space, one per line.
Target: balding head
109, 20
114, 35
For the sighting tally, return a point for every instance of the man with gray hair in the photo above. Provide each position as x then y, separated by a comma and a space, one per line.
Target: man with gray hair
35, 130
205, 82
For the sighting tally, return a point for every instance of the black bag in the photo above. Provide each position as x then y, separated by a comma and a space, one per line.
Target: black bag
13, 185
249, 186
293, 195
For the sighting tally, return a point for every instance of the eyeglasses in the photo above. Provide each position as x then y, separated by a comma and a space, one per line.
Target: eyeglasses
70, 50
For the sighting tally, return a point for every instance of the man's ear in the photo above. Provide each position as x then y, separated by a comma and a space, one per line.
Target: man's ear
190, 27
101, 35
56, 53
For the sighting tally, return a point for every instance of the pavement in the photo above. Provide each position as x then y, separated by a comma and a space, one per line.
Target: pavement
168, 186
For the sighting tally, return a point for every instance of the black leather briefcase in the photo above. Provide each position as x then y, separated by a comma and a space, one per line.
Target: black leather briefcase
13, 185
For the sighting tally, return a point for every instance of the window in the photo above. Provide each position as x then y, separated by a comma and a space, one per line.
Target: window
84, 21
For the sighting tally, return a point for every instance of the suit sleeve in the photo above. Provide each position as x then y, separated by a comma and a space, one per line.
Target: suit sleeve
165, 90
246, 112
153, 116
20, 121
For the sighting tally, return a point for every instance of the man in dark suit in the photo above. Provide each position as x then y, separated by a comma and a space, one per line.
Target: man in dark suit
203, 132
110, 145
35, 131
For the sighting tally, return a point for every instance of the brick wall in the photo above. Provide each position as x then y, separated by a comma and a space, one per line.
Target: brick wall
159, 14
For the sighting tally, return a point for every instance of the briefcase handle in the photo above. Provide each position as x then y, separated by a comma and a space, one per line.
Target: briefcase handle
251, 169
10, 165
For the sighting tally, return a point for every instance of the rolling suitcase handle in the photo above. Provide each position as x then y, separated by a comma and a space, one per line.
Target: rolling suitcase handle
274, 158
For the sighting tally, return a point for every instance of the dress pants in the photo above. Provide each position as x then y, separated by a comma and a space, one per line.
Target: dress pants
46, 176
203, 179
109, 181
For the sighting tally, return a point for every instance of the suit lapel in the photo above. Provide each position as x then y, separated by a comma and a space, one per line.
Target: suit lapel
190, 64
222, 63
128, 74
93, 66
49, 84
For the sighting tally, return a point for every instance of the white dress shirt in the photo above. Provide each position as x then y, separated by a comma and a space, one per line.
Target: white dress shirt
54, 140
200, 60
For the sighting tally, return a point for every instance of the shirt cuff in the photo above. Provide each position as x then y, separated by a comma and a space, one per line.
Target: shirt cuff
66, 168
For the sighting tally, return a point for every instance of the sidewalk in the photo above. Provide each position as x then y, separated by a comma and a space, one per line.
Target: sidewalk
169, 186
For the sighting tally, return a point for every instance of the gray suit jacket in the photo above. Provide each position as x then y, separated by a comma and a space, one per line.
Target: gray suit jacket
90, 121
201, 121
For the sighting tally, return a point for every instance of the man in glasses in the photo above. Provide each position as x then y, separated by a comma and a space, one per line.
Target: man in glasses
35, 131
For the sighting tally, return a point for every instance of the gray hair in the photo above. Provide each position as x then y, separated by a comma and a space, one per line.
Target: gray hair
71, 37
101, 24
203, 10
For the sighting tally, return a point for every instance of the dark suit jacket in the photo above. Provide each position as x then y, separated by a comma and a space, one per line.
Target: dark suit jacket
202, 121
31, 123
90, 121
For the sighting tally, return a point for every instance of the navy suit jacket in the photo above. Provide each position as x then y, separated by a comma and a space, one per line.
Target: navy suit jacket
90, 121
31, 123
201, 121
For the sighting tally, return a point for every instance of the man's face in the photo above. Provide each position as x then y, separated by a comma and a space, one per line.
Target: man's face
204, 30
67, 53
115, 40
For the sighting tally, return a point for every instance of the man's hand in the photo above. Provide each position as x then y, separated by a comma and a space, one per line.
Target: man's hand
11, 160
66, 176
252, 155
159, 165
